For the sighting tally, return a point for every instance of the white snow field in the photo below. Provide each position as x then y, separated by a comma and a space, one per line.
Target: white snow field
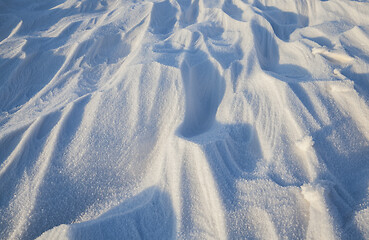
184, 119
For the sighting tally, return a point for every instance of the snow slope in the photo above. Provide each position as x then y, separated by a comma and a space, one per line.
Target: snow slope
184, 119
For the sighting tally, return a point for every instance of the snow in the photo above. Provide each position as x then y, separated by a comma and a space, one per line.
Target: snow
184, 119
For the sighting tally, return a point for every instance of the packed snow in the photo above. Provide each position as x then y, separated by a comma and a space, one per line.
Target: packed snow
184, 119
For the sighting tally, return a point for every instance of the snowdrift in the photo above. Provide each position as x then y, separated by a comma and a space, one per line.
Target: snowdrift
184, 119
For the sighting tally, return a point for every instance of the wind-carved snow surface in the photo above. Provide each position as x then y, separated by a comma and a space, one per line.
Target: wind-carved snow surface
184, 119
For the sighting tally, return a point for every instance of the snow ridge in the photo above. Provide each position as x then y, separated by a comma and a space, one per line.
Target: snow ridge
184, 119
